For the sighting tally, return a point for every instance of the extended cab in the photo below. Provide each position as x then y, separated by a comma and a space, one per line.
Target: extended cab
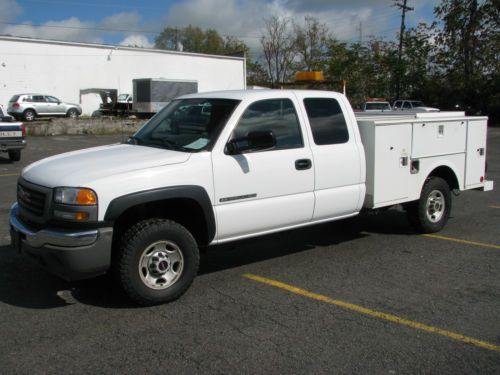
217, 167
12, 136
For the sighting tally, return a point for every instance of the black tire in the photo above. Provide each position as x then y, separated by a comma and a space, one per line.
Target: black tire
149, 248
431, 212
29, 115
15, 155
72, 113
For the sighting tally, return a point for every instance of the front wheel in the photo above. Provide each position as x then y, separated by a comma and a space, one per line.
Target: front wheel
72, 113
431, 212
157, 261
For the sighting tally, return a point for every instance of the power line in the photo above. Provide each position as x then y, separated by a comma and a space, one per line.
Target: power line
98, 5
80, 28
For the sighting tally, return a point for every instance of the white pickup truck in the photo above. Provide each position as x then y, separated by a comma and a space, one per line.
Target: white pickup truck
217, 167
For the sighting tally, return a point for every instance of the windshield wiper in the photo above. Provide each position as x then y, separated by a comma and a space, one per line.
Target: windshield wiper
171, 145
133, 140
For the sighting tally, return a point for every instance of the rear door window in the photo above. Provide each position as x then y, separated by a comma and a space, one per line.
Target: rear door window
38, 98
327, 121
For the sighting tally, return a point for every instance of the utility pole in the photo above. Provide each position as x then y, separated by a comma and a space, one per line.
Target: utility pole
360, 29
404, 8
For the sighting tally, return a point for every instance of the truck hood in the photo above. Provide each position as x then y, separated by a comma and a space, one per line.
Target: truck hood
80, 168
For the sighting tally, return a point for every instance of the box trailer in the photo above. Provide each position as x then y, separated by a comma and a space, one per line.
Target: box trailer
152, 94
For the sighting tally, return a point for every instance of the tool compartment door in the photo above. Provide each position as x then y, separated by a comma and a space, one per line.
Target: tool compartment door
476, 153
434, 138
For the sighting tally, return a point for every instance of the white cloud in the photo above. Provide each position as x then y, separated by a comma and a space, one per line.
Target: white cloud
137, 40
241, 19
71, 29
9, 10
121, 21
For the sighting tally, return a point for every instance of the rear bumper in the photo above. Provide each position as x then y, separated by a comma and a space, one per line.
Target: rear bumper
6, 145
488, 185
71, 255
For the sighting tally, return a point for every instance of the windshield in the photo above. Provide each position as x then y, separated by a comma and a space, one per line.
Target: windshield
188, 125
122, 96
417, 103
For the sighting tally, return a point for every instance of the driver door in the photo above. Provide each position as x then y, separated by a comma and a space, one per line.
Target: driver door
54, 105
261, 191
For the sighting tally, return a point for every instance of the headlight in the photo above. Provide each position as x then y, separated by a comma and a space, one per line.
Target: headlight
75, 196
75, 204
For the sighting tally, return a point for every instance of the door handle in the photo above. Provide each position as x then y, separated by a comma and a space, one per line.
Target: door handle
303, 164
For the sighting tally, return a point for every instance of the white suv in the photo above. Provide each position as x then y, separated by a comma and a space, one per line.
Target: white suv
30, 106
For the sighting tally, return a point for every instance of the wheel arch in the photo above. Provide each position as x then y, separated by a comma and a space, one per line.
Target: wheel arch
190, 206
73, 109
32, 109
447, 173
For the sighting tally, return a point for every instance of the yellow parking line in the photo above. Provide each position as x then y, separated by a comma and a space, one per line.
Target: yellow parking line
373, 313
494, 206
474, 243
9, 174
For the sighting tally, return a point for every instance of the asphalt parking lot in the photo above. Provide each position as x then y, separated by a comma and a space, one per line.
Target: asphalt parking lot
362, 296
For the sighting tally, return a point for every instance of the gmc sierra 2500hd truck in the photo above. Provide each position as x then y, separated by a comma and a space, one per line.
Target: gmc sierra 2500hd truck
217, 167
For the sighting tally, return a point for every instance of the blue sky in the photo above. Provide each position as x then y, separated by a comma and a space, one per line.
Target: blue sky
126, 21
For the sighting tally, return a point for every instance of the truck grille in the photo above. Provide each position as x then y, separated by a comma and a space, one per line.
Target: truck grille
31, 200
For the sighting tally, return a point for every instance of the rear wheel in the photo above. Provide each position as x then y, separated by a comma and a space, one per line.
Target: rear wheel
431, 212
15, 155
29, 115
156, 262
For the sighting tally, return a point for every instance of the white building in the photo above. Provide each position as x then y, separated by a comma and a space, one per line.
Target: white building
62, 69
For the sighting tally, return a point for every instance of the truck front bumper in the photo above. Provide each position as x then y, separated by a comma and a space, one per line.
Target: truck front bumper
72, 255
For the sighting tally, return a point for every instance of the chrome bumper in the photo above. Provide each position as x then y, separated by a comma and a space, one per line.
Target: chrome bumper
51, 237
72, 255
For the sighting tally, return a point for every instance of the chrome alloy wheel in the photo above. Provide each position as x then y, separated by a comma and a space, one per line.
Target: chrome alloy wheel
161, 265
435, 206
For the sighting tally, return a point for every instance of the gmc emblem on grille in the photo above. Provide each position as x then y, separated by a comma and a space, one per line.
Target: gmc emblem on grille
23, 195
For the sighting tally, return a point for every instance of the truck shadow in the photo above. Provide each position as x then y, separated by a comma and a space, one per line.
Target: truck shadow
4, 159
259, 249
25, 284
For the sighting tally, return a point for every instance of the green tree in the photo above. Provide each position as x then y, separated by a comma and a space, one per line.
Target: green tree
194, 39
468, 52
418, 69
278, 47
311, 42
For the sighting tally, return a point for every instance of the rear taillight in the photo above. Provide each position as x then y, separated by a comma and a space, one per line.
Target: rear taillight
15, 105
23, 129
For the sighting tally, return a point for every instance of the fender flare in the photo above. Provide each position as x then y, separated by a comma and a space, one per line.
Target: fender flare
192, 192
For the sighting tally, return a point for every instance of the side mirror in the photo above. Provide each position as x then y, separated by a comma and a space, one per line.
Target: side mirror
254, 141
